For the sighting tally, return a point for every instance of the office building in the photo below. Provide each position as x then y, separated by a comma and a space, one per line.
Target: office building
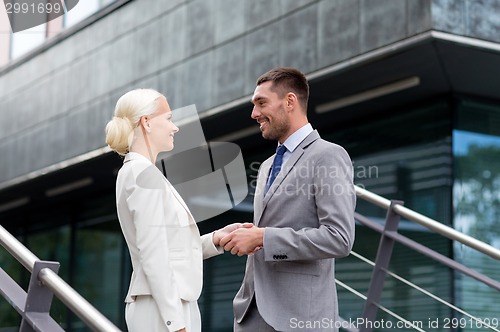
408, 87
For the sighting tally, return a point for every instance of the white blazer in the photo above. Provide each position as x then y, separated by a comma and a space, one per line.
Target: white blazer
164, 242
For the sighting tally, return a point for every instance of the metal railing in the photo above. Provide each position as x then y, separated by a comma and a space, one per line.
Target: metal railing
34, 306
431, 224
390, 235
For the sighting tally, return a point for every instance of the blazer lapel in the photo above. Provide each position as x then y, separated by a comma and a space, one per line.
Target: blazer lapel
179, 199
290, 164
260, 188
135, 156
283, 174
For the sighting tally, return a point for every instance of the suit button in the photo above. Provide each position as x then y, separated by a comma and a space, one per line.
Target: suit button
168, 323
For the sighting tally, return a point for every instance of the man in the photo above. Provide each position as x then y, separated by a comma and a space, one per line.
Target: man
304, 218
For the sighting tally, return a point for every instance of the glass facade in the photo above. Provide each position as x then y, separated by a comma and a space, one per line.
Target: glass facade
476, 201
24, 41
404, 155
86, 239
83, 10
10, 319
222, 279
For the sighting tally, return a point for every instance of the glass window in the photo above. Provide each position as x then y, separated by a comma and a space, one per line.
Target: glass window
26, 40
83, 9
9, 319
98, 268
222, 277
5, 32
85, 238
403, 155
54, 245
476, 200
101, 260
22, 42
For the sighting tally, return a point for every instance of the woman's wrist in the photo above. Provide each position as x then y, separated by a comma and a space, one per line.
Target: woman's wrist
215, 238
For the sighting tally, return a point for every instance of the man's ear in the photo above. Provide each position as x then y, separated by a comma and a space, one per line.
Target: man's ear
291, 101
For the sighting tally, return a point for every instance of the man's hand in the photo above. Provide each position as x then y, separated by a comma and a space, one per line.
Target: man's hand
220, 233
243, 241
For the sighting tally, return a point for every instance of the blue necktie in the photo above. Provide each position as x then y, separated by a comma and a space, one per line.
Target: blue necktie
278, 160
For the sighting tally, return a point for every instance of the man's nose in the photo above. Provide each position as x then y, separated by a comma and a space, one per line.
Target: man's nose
255, 113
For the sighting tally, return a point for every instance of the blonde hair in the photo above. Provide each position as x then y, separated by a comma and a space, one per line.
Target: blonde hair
128, 112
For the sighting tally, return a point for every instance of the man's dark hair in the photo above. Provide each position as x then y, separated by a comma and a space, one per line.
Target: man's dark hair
287, 79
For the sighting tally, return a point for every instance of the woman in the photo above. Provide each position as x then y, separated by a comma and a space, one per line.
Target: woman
164, 242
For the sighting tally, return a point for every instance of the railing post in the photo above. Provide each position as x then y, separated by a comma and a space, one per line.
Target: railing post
45, 282
38, 302
381, 265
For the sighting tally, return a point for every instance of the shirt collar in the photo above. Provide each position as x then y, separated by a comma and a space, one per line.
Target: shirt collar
297, 137
135, 156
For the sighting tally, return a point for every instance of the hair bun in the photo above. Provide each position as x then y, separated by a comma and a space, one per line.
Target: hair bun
118, 131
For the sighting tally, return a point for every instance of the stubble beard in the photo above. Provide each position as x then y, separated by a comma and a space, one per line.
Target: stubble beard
278, 129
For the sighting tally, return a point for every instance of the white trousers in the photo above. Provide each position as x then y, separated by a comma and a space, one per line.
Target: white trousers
143, 315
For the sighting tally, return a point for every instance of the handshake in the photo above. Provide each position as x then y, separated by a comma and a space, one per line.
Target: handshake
239, 238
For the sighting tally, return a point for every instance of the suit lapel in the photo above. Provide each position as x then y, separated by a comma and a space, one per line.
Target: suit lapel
285, 170
179, 199
135, 156
290, 164
260, 188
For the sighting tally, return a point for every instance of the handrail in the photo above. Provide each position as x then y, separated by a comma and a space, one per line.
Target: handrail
414, 286
420, 248
432, 224
17, 249
81, 307
389, 235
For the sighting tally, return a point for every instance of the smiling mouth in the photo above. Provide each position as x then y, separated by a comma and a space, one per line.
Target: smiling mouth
263, 124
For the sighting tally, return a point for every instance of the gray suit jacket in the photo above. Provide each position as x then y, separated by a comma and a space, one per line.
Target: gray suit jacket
309, 217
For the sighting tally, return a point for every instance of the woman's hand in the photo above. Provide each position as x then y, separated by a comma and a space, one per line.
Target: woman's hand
244, 241
220, 233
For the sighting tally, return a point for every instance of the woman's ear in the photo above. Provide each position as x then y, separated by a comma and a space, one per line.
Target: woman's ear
145, 123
